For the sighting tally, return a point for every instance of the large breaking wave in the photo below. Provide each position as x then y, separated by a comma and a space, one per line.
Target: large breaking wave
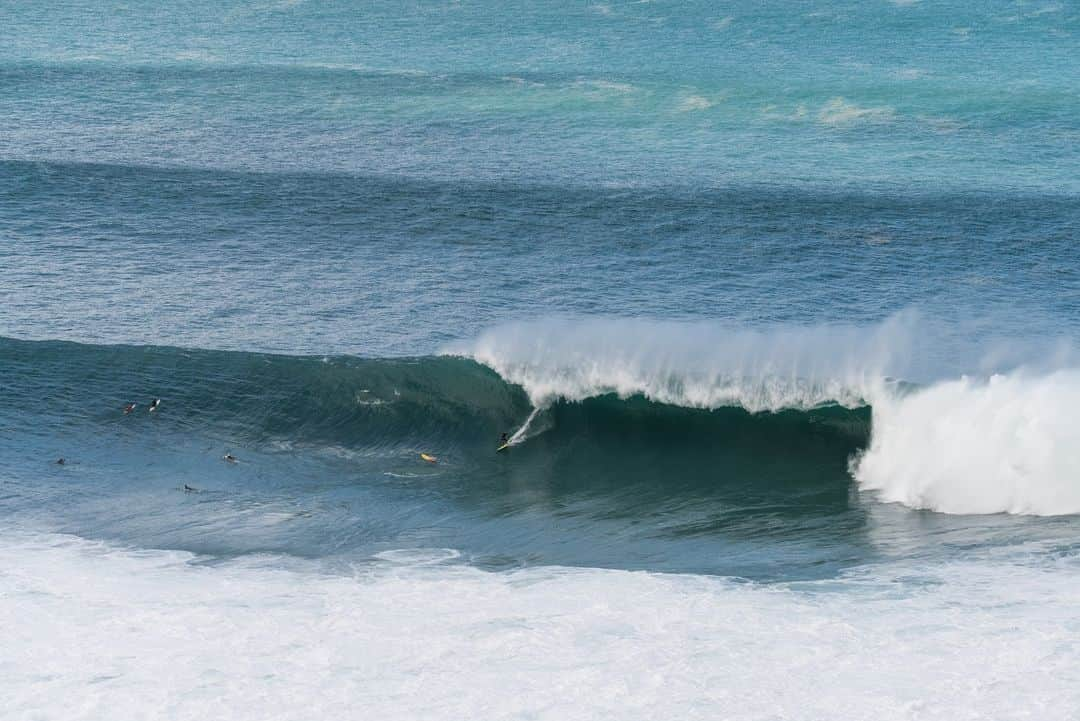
994, 442
624, 400
1009, 443
696, 365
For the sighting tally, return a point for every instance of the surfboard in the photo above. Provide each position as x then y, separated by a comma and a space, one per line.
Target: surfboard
429, 458
503, 447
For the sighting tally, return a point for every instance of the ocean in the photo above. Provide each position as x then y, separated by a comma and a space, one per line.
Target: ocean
778, 305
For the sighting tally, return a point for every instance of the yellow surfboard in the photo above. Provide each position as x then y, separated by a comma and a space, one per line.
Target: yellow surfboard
429, 458
503, 447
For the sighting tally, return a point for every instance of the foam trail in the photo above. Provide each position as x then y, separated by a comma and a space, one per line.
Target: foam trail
1010, 444
520, 434
696, 365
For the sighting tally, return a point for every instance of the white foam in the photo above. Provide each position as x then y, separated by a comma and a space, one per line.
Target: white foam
522, 433
92, 632
606, 86
1009, 444
839, 111
697, 365
694, 102
418, 556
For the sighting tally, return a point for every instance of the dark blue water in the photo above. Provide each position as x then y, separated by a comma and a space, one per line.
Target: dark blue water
786, 295
316, 263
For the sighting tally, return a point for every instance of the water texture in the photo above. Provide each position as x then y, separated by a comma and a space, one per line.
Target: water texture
778, 305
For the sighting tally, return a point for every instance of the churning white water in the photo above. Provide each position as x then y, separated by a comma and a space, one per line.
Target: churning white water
96, 631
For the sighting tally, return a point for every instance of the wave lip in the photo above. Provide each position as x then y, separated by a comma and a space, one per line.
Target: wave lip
1008, 443
694, 365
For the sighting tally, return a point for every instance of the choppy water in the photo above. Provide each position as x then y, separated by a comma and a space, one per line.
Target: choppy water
779, 304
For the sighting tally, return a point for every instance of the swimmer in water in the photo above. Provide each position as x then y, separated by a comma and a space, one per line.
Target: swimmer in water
189, 489
59, 461
129, 408
229, 458
154, 404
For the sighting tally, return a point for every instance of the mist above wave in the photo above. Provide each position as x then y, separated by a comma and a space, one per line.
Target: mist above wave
696, 364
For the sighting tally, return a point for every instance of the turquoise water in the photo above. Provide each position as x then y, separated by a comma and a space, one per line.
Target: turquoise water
778, 303
925, 96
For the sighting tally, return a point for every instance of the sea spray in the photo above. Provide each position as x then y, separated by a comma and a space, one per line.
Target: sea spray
697, 365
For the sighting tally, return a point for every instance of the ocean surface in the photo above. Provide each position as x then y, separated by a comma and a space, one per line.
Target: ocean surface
778, 303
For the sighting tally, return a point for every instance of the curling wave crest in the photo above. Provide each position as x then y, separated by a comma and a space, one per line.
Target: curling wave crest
695, 365
633, 401
998, 442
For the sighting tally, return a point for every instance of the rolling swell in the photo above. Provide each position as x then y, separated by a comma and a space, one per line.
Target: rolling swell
257, 398
451, 406
329, 463
624, 423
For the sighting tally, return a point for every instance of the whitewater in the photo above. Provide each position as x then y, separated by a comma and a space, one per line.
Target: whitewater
777, 303
419, 636
575, 576
989, 443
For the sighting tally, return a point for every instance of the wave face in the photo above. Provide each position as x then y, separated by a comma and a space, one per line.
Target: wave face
957, 446
329, 463
449, 404
370, 404
591, 406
